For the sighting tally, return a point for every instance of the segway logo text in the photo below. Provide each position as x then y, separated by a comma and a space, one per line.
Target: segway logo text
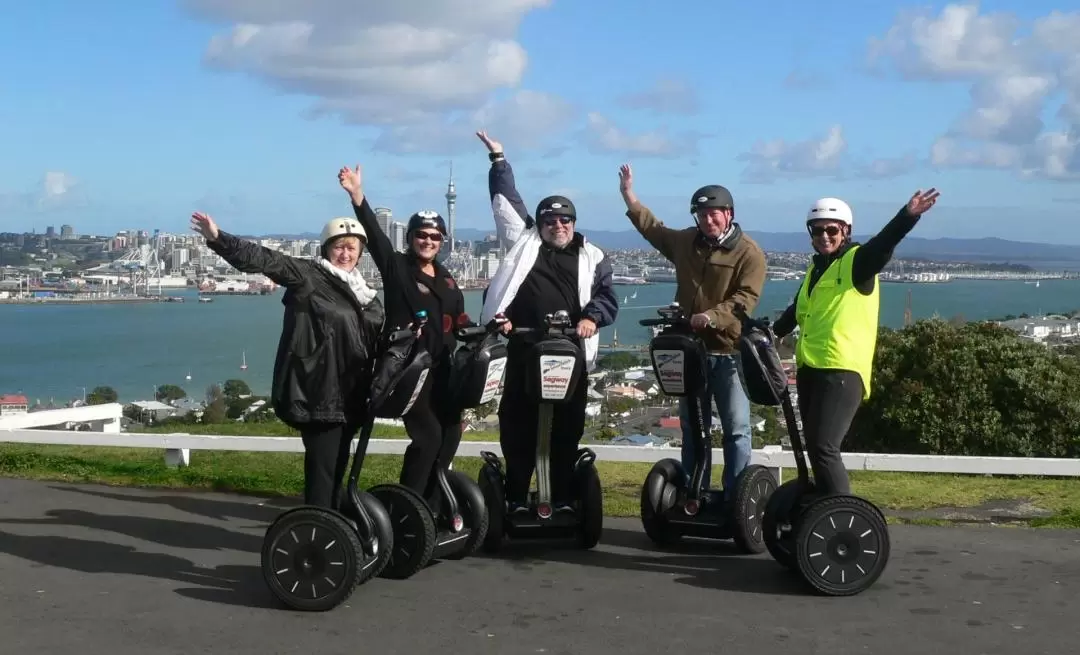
670, 370
555, 376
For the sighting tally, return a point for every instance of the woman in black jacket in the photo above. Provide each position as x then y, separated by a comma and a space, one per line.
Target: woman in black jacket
324, 357
414, 281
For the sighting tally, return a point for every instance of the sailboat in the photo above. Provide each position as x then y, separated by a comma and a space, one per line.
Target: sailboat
243, 361
188, 377
635, 294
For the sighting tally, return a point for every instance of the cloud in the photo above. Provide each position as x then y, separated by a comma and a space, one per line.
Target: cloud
55, 190
767, 161
605, 137
412, 67
1013, 78
666, 96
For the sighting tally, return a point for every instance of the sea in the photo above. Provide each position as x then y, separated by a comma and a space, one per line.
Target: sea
56, 353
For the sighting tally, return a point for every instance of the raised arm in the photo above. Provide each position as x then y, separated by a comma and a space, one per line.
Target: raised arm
655, 232
511, 216
872, 257
378, 244
243, 255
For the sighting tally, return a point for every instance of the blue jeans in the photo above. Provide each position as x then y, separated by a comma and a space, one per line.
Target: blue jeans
733, 408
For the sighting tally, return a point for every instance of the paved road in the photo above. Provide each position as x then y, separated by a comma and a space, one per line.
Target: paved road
96, 570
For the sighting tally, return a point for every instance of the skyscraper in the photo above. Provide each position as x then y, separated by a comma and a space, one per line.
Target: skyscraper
451, 205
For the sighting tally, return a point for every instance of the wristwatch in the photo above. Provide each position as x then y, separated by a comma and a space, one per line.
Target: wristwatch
496, 156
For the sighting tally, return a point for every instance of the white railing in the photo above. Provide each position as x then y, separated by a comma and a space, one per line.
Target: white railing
178, 447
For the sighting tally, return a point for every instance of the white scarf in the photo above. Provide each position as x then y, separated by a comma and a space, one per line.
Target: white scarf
356, 282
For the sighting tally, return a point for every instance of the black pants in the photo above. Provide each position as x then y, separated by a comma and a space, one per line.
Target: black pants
828, 401
434, 428
518, 421
326, 458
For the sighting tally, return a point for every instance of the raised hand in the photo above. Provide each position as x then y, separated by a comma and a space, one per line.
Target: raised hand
493, 146
626, 178
921, 202
205, 226
352, 181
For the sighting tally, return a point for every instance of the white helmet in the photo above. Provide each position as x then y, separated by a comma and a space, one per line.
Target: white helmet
832, 209
342, 226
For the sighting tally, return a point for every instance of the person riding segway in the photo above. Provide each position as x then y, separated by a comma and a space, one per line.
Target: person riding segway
313, 558
555, 367
670, 506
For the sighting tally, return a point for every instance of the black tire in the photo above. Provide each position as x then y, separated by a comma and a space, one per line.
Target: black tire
414, 530
590, 495
474, 512
754, 488
384, 533
659, 494
778, 524
311, 559
841, 545
491, 486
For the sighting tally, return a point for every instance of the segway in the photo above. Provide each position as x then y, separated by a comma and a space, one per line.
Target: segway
673, 504
313, 558
454, 525
556, 366
838, 543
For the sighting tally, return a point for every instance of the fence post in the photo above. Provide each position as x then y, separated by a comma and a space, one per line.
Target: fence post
775, 453
177, 457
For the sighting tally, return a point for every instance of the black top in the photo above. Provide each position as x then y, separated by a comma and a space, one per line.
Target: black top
551, 286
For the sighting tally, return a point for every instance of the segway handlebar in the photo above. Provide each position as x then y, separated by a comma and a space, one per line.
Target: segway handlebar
671, 315
556, 324
474, 331
420, 320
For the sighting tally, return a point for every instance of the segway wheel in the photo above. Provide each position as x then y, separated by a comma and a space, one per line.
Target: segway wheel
471, 500
384, 537
841, 545
659, 494
755, 487
312, 559
414, 530
590, 495
491, 486
777, 525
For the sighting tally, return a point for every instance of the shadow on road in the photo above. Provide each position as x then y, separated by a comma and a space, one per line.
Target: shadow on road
193, 504
708, 565
228, 584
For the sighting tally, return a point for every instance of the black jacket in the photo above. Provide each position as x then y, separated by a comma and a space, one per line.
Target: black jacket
324, 357
407, 290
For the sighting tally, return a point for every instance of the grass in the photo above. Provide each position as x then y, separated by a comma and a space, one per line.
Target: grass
281, 474
279, 429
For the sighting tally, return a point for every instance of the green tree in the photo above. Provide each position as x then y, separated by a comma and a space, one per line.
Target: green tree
236, 388
215, 409
619, 361
972, 389
169, 392
101, 396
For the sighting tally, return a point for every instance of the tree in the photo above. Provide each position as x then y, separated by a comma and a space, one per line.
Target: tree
167, 393
973, 389
101, 396
235, 388
215, 409
619, 361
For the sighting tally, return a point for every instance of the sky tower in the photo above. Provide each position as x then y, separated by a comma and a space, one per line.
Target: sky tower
451, 205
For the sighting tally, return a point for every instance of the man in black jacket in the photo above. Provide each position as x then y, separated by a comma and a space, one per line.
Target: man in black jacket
549, 268
324, 357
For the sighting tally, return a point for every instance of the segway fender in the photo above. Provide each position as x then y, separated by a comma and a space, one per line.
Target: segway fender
661, 484
380, 518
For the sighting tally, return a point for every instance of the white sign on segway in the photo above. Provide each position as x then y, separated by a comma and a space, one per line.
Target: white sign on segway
494, 379
555, 374
671, 369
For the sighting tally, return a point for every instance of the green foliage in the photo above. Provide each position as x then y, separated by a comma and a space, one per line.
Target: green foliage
235, 388
971, 389
101, 396
169, 392
215, 411
619, 361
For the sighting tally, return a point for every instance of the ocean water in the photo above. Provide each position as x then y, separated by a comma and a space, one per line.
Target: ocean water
54, 352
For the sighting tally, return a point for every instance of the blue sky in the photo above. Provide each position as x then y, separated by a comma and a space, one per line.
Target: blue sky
118, 115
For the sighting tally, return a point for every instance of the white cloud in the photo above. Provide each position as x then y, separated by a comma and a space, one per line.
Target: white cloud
1014, 77
605, 137
771, 160
409, 65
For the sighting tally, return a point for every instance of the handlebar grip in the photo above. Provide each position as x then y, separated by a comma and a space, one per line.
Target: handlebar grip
465, 333
647, 322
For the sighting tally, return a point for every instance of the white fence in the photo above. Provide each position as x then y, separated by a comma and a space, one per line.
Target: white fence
178, 447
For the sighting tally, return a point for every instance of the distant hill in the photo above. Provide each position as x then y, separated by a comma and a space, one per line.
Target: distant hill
945, 249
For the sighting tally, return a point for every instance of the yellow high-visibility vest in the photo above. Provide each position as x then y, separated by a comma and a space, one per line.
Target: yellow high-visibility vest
838, 326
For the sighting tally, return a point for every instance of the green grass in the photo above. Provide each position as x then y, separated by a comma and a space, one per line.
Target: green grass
279, 429
281, 474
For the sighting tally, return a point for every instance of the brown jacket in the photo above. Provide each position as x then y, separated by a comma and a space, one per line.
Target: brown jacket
711, 280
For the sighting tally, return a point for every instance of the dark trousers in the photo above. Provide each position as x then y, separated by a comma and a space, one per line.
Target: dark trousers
828, 401
434, 428
518, 422
326, 458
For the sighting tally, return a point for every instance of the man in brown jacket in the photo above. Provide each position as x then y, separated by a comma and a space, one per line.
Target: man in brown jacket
716, 268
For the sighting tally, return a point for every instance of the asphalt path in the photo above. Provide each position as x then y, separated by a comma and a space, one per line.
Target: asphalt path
99, 570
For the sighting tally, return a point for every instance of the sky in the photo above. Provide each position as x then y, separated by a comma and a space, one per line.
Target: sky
131, 115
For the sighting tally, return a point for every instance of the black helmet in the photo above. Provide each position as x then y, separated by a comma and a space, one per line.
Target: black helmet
555, 206
712, 196
426, 218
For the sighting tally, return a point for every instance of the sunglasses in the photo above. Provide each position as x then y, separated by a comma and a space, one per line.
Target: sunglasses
550, 221
428, 236
818, 230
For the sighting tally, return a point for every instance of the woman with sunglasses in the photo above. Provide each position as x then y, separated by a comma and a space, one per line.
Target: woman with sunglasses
836, 311
414, 281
